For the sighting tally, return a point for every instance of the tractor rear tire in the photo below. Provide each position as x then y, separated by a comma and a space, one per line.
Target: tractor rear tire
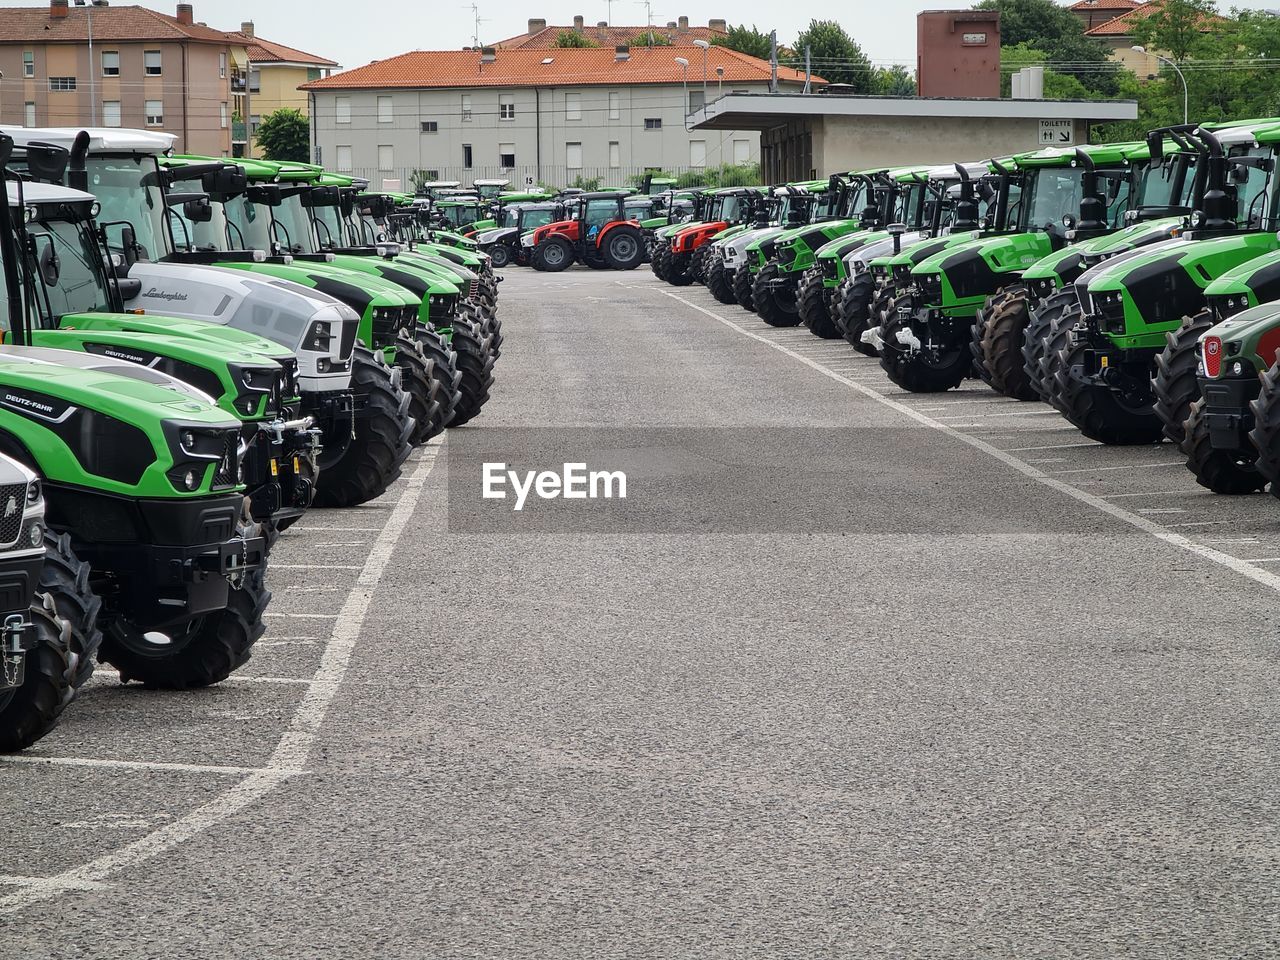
1218, 470
775, 307
553, 255
499, 255
1098, 412
914, 373
370, 460
743, 284
1001, 344
475, 365
444, 370
1266, 427
856, 318
720, 280
422, 387
1176, 385
1035, 338
624, 248
813, 307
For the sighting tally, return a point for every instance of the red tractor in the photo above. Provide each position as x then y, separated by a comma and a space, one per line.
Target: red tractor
599, 235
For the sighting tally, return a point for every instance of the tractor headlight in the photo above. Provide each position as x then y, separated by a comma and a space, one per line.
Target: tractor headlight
33, 492
189, 480
318, 337
1237, 369
35, 535
526, 240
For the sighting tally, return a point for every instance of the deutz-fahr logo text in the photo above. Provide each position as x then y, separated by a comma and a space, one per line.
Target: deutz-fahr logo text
121, 355
27, 404
157, 294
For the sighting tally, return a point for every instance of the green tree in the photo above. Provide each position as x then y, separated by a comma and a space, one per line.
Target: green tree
835, 55
896, 81
649, 38
571, 39
746, 40
1057, 86
1175, 27
1043, 25
284, 135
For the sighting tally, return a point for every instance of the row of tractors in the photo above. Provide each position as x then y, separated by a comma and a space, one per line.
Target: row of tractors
195, 352
1131, 286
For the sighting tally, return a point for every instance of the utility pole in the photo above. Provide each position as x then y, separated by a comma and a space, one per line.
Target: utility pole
93, 82
609, 14
773, 61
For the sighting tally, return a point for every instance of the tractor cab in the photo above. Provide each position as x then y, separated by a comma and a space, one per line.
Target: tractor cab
433, 188
490, 189
600, 234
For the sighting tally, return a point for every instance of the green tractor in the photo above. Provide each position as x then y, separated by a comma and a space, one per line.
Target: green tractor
749, 253
678, 257
927, 341
1139, 316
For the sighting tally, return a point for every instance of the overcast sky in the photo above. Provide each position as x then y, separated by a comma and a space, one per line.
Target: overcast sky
353, 33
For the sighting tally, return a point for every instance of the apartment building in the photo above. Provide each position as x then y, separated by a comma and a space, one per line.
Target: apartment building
110, 66
535, 115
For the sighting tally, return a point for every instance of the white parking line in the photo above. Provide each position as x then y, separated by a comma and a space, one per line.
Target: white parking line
1145, 493
39, 761
1053, 446
1129, 466
309, 528
294, 748
315, 566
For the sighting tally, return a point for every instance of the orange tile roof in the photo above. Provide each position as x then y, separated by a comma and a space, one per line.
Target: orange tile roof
525, 68
607, 36
34, 25
265, 51
1105, 5
1122, 26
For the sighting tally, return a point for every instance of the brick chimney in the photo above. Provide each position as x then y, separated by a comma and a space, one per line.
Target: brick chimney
247, 28
186, 14
718, 26
578, 23
537, 25
683, 25
57, 9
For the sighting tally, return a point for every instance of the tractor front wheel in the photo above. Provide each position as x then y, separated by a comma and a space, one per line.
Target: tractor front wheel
743, 285
553, 255
813, 308
1266, 428
1175, 383
624, 248
1001, 344
921, 371
416, 377
1228, 472
677, 269
1035, 338
856, 313
500, 255
475, 364
1100, 412
775, 301
720, 280
444, 370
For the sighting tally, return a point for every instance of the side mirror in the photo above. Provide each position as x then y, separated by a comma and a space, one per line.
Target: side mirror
49, 263
198, 211
129, 241
1239, 173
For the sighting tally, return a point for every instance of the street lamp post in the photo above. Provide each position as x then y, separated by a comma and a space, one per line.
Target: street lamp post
684, 72
706, 50
1186, 96
93, 81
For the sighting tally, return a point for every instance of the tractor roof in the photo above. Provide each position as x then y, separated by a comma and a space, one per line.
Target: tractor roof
603, 195
1109, 153
101, 139
439, 184
41, 193
491, 182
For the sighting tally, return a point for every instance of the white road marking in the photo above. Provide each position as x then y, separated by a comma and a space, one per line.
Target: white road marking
1163, 510
305, 616
38, 761
294, 748
1053, 446
1128, 466
309, 528
315, 566
1244, 568
1148, 493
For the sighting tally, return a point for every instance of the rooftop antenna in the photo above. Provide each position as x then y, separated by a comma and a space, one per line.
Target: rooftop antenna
648, 11
475, 11
609, 15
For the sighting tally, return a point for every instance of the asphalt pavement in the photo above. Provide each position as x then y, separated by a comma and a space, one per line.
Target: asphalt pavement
854, 674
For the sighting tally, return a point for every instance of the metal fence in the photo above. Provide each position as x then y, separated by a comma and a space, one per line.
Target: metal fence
551, 175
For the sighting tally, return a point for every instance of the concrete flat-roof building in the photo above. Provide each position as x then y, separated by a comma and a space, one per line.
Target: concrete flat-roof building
807, 136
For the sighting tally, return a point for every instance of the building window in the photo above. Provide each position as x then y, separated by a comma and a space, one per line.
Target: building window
222, 115
697, 154
28, 63
507, 155
386, 158
430, 126
151, 64
466, 156
615, 106
506, 106
573, 106
385, 110
343, 107
254, 120
573, 156
62, 84
28, 114
111, 63
653, 123
344, 159
155, 113
741, 151
615, 155
111, 113
696, 100
255, 81
466, 107
222, 66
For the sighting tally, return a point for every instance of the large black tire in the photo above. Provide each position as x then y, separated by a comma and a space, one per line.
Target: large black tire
676, 269
553, 255
1222, 471
1266, 428
207, 651
1175, 385
623, 248
1099, 412
776, 306
475, 365
916, 373
1055, 347
1003, 336
978, 331
444, 370
500, 255
658, 262
720, 280
855, 310
814, 309
1035, 337
64, 617
490, 328
743, 283
423, 389
359, 466
698, 263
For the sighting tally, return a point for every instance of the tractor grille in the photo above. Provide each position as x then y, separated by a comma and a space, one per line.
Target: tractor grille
385, 322
786, 255
13, 500
931, 288
902, 273
348, 345
1109, 309
289, 366
829, 271
227, 472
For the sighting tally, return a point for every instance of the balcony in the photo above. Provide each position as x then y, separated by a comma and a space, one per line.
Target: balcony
238, 132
